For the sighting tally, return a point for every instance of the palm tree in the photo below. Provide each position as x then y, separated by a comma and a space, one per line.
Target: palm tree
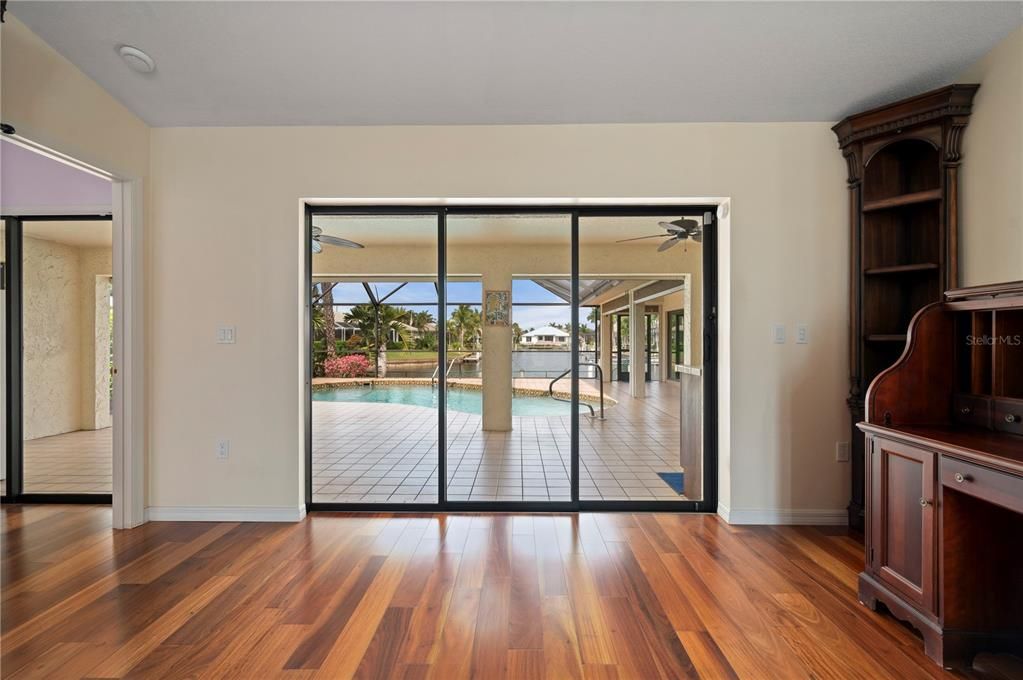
464, 322
420, 320
426, 326
323, 316
379, 323
517, 333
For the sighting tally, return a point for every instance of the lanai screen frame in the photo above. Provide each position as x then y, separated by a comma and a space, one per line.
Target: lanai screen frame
574, 212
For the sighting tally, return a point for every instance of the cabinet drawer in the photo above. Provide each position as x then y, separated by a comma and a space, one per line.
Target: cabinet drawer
993, 486
1008, 415
973, 410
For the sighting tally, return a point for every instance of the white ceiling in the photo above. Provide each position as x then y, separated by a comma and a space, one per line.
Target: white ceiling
380, 63
81, 234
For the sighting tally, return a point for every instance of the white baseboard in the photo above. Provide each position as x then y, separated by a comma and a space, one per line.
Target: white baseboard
838, 517
224, 514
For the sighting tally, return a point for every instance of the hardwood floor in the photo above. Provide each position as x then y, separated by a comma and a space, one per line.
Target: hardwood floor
418, 596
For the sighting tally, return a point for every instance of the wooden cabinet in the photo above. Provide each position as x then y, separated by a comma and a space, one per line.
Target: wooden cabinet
944, 476
903, 173
902, 530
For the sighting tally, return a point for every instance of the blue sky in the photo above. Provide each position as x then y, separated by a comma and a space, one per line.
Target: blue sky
422, 296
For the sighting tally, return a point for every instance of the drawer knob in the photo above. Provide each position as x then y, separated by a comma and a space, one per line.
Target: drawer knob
924, 502
960, 477
966, 410
1011, 418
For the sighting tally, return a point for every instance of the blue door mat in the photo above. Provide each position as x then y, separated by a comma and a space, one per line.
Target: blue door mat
674, 480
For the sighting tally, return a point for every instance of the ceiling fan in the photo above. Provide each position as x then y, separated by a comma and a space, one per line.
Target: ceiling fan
676, 232
319, 238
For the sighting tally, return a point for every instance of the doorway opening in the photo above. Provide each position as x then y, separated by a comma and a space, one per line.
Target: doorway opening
60, 367
480, 357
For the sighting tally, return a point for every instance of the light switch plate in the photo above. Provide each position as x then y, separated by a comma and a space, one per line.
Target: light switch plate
223, 449
778, 333
225, 335
802, 334
842, 452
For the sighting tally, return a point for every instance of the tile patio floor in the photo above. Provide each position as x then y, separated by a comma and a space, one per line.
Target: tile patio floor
387, 453
75, 462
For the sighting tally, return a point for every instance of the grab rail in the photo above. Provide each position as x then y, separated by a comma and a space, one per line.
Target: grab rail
433, 378
600, 378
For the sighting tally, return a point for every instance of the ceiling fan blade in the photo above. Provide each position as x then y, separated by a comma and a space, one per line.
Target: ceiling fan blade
691, 226
337, 241
698, 237
668, 244
317, 248
317, 231
640, 238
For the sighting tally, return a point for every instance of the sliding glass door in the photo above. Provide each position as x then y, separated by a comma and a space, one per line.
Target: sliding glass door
509, 396
3, 358
486, 358
649, 446
376, 377
58, 358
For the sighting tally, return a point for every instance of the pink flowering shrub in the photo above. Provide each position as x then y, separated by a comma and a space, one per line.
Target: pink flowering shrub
351, 366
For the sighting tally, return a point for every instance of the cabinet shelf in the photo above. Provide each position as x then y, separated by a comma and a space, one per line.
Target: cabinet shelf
901, 269
902, 200
886, 337
904, 225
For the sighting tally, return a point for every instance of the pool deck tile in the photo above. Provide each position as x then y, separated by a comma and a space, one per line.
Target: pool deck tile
373, 452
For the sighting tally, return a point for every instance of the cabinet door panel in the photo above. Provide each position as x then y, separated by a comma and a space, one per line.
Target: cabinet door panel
904, 542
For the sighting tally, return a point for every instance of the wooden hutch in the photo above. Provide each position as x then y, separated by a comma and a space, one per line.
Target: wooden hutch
944, 476
903, 173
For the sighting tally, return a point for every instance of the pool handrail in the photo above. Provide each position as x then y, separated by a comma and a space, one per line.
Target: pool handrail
600, 378
433, 378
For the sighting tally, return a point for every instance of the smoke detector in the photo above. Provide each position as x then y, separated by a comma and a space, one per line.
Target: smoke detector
136, 59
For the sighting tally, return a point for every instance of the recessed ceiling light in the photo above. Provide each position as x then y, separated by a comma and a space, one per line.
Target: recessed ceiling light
136, 59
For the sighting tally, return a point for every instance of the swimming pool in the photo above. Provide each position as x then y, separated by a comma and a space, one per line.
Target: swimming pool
466, 401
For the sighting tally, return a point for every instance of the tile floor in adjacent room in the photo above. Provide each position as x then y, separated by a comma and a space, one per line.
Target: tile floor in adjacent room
386, 453
75, 462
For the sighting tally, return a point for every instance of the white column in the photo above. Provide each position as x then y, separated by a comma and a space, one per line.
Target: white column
497, 361
637, 348
606, 324
663, 339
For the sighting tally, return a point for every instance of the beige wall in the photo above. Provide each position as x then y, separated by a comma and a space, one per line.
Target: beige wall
48, 100
94, 289
228, 202
52, 339
992, 172
64, 391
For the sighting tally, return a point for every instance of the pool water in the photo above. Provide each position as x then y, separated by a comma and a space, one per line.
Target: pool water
466, 401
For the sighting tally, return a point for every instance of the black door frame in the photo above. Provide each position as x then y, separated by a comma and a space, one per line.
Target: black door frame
647, 354
623, 376
14, 491
573, 213
674, 316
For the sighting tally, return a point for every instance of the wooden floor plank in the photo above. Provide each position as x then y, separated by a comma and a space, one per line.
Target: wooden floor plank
441, 597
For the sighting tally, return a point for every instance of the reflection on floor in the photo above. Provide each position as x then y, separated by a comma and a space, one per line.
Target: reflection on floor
373, 453
76, 462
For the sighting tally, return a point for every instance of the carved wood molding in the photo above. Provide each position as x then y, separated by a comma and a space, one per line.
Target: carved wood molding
953, 141
853, 165
899, 123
